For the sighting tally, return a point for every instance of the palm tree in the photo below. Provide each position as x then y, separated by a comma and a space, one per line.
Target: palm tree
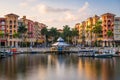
53, 33
16, 35
66, 33
22, 31
44, 32
109, 33
1, 36
97, 29
75, 33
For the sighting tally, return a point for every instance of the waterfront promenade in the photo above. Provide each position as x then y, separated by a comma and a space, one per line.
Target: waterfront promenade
75, 49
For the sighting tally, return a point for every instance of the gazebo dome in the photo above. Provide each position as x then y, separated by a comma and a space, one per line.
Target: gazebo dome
60, 39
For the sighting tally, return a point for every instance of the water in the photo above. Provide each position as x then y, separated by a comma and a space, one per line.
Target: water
53, 67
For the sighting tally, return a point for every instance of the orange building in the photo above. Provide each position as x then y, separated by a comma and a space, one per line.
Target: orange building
12, 27
107, 26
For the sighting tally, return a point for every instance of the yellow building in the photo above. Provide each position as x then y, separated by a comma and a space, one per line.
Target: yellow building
12, 27
95, 20
88, 28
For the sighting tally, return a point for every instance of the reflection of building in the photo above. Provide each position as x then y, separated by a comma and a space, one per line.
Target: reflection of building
117, 30
12, 27
3, 38
107, 25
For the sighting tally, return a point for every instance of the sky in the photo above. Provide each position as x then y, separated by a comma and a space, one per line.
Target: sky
57, 13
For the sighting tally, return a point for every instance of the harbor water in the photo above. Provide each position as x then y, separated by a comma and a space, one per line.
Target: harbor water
58, 67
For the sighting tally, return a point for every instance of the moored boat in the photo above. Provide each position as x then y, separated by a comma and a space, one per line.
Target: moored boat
103, 55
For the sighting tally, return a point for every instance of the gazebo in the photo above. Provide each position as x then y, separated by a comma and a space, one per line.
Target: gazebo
60, 45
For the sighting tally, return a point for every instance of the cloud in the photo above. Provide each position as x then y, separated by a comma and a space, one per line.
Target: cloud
84, 7
23, 4
46, 9
30, 0
69, 16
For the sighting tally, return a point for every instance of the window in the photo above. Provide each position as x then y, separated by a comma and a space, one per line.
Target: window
109, 25
14, 21
10, 26
109, 21
10, 21
10, 31
10, 36
14, 26
10, 43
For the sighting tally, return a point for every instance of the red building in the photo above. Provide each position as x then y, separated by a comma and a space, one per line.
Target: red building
3, 39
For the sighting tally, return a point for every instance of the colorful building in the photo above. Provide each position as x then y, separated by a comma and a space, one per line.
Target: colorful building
95, 20
3, 37
12, 27
30, 34
39, 37
117, 30
88, 29
107, 28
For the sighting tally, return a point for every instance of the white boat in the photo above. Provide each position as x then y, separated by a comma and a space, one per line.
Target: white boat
103, 55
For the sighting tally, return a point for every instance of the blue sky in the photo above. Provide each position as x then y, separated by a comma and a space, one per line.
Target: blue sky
56, 13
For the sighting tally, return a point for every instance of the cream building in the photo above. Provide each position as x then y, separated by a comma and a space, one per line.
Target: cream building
117, 30
12, 27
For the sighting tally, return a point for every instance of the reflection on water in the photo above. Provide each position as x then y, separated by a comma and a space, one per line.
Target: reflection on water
53, 67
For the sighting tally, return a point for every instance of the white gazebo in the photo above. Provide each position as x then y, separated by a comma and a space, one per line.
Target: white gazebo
60, 43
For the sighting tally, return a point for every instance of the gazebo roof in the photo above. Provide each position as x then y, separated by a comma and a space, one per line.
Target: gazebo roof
60, 39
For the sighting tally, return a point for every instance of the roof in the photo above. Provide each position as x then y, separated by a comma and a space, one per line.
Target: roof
108, 14
12, 14
60, 39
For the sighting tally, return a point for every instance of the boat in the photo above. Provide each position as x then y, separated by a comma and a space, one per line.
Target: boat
103, 55
5, 53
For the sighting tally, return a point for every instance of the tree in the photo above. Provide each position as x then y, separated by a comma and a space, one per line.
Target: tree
44, 32
66, 33
16, 35
53, 33
109, 33
22, 31
75, 33
97, 29
1, 36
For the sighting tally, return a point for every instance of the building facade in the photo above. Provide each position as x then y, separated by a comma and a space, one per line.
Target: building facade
3, 37
12, 27
38, 27
117, 31
107, 28
88, 29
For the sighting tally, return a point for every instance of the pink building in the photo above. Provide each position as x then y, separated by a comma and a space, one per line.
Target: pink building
107, 25
31, 29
